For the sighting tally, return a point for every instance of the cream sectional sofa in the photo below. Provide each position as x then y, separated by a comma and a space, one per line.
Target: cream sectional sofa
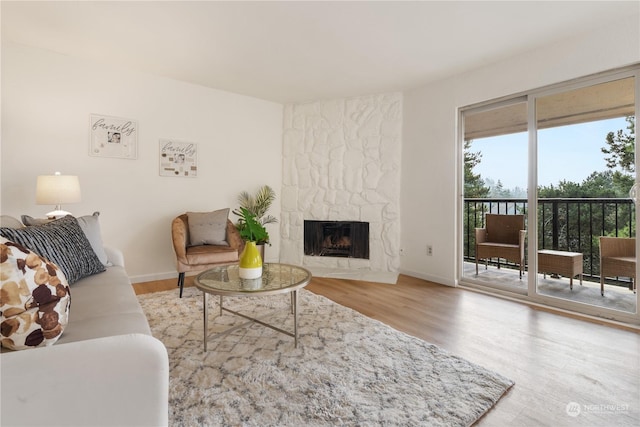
105, 369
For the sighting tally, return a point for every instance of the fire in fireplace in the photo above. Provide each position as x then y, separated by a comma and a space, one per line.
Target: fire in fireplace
336, 238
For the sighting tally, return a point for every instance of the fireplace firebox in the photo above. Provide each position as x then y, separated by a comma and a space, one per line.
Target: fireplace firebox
348, 239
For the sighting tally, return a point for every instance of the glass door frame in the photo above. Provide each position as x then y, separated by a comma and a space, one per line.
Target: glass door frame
480, 108
532, 197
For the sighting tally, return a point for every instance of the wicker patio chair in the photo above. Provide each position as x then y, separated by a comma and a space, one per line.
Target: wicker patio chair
502, 237
617, 259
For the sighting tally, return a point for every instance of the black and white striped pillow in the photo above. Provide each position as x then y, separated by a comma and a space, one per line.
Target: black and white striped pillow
62, 242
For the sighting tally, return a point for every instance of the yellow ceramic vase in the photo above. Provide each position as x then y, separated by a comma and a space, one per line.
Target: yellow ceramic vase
250, 262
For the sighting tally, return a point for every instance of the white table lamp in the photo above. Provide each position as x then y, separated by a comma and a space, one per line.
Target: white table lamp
56, 190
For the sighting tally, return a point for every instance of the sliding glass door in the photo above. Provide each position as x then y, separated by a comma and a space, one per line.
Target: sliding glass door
495, 183
585, 139
558, 163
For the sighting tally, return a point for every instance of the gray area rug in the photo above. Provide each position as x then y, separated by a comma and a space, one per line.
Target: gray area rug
348, 369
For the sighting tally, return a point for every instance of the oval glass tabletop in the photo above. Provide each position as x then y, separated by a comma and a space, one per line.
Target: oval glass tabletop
276, 278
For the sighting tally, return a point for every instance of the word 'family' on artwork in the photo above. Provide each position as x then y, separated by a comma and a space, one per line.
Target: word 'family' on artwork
126, 128
188, 149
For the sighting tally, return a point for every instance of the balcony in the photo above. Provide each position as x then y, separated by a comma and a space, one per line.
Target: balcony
572, 225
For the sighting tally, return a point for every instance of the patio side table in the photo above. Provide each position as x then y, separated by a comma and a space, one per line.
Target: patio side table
568, 264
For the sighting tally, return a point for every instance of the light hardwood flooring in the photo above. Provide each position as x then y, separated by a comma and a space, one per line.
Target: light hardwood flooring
555, 360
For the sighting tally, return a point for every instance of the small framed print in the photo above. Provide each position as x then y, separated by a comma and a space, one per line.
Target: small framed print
178, 158
113, 137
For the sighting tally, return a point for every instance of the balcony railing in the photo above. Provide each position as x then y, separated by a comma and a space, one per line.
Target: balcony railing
563, 224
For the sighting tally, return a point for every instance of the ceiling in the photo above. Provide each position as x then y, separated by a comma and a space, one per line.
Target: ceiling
302, 51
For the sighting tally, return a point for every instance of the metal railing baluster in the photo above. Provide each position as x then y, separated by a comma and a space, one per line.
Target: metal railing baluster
576, 229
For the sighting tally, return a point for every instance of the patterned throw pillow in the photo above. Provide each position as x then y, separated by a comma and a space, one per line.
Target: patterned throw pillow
89, 224
61, 241
34, 298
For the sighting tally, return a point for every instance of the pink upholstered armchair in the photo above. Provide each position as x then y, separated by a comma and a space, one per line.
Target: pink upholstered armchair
202, 257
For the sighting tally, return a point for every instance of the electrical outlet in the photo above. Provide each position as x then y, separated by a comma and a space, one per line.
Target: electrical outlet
429, 250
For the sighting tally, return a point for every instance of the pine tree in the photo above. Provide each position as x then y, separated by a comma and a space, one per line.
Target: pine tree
474, 188
474, 185
621, 149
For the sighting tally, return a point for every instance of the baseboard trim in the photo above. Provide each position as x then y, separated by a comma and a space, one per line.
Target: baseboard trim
151, 277
428, 277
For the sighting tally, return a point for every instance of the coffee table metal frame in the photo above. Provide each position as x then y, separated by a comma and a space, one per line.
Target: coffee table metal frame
224, 281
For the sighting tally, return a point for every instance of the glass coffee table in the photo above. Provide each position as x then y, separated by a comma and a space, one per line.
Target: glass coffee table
276, 279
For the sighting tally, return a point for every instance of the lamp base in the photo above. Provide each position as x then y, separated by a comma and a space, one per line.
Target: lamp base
57, 214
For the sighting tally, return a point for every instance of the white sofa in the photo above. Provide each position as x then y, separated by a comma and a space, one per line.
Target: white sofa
106, 368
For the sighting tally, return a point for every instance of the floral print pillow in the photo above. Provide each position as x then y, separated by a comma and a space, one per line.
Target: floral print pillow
34, 298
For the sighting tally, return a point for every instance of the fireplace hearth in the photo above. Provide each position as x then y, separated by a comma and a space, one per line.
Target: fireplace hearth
349, 239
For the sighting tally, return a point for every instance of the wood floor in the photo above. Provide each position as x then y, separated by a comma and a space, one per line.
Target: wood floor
556, 361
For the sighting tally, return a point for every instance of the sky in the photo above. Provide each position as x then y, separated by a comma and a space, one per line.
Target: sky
569, 153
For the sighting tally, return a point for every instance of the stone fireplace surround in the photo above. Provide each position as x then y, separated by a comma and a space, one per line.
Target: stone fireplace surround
341, 162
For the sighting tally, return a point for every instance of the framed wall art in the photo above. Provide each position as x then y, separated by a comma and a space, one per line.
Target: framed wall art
113, 137
178, 158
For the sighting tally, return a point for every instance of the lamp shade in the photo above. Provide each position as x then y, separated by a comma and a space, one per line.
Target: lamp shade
57, 189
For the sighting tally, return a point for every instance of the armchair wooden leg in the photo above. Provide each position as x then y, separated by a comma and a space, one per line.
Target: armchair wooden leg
181, 282
601, 284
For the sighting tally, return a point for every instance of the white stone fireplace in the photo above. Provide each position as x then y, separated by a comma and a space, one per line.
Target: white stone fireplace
341, 162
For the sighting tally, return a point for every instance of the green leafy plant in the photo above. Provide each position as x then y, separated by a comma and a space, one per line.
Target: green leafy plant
257, 207
251, 229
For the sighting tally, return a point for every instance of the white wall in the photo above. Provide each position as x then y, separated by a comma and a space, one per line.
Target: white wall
47, 99
46, 102
430, 157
